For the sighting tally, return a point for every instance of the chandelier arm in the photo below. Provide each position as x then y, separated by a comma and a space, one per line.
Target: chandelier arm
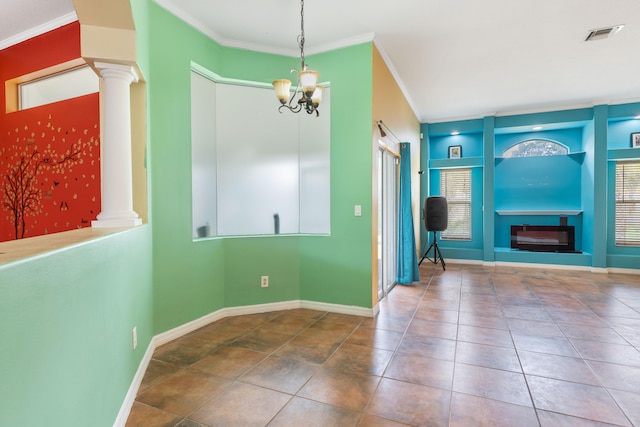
295, 109
293, 95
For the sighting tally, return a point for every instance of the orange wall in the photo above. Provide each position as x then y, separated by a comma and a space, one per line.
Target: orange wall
392, 108
53, 151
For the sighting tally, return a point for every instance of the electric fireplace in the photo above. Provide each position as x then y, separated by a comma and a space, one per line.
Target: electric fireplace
543, 238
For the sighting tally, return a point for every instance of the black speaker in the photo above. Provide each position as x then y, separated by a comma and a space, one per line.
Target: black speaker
436, 215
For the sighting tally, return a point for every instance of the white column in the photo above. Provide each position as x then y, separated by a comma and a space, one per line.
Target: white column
117, 192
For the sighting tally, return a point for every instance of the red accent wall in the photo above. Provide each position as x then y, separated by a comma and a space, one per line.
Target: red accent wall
49, 155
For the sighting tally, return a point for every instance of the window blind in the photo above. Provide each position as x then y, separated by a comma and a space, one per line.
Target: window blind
455, 185
628, 203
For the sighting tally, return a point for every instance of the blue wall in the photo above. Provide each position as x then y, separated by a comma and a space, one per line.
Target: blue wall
470, 138
583, 181
620, 132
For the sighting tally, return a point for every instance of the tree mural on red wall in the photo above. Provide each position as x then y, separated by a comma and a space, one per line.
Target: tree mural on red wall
50, 154
50, 176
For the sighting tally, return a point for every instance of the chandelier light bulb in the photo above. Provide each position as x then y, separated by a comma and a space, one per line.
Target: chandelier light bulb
282, 87
308, 81
316, 98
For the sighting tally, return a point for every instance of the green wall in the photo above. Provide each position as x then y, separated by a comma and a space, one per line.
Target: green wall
338, 269
193, 279
66, 317
66, 320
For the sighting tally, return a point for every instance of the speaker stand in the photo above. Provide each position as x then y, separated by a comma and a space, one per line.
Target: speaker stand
437, 255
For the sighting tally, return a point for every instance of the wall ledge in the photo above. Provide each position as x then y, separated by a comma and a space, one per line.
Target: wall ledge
30, 247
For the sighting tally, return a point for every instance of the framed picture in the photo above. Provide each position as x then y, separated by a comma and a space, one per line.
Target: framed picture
455, 151
635, 140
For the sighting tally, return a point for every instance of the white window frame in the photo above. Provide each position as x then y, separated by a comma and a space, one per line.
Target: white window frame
458, 202
627, 209
67, 84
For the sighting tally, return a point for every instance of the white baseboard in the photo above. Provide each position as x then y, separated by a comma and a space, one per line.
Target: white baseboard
598, 270
182, 330
623, 270
130, 397
375, 310
196, 324
464, 261
337, 308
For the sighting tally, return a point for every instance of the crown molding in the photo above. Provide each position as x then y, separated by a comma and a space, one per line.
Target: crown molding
294, 52
396, 76
38, 30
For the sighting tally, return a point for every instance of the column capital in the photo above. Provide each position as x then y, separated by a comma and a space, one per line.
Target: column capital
118, 71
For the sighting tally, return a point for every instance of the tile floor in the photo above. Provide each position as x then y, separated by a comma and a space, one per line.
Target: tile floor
472, 346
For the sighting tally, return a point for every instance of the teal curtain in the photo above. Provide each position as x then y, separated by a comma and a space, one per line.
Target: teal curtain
407, 254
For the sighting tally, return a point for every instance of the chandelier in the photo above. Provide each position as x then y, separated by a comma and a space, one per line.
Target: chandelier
308, 88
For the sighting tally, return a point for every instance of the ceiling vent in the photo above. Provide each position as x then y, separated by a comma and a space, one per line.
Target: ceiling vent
603, 33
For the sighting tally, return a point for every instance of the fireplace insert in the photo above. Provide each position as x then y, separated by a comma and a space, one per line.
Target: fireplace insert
543, 238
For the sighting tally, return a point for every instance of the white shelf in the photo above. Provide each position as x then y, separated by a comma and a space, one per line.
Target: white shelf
537, 212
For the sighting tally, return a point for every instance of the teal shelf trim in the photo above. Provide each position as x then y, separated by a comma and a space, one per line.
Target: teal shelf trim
556, 258
624, 111
462, 126
578, 156
467, 162
624, 154
531, 212
566, 119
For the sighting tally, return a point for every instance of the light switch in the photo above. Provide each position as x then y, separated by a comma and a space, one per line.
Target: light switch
358, 210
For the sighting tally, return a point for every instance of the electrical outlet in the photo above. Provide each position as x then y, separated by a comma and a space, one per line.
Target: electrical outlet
264, 281
135, 337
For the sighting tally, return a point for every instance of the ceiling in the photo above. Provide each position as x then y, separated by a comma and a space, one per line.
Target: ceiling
452, 58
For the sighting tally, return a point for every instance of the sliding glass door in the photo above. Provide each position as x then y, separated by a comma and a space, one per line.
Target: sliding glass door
387, 220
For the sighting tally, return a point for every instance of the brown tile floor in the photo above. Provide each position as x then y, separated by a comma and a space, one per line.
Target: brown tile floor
472, 346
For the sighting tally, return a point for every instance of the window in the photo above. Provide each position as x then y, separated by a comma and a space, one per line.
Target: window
536, 147
58, 87
455, 185
628, 203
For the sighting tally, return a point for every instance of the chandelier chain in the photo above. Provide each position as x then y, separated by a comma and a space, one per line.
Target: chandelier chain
301, 36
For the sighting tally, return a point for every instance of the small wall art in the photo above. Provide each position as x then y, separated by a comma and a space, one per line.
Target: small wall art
635, 140
455, 151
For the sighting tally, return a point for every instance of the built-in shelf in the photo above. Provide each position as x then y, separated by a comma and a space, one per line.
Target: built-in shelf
539, 212
623, 154
465, 162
